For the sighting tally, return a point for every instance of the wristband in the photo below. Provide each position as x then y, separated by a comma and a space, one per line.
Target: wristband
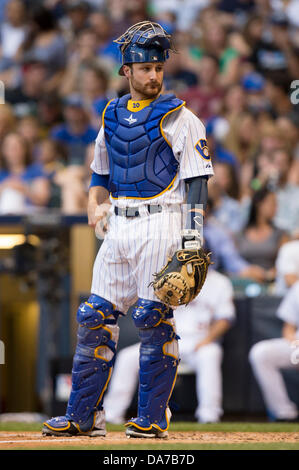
191, 239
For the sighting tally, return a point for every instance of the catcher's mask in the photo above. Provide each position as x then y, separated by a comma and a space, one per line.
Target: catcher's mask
144, 42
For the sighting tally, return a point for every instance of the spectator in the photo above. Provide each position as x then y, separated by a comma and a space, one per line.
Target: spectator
216, 130
49, 111
227, 210
52, 157
256, 171
276, 91
91, 82
7, 120
268, 357
256, 101
76, 18
227, 179
260, 240
289, 9
242, 138
271, 138
214, 40
177, 76
24, 98
287, 216
73, 190
100, 23
234, 102
245, 40
12, 33
274, 53
205, 100
273, 168
29, 128
2, 10
84, 52
289, 127
73, 182
46, 43
94, 88
200, 326
225, 256
136, 11
76, 133
185, 11
23, 185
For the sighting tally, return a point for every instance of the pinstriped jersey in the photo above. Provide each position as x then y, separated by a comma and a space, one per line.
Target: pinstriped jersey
186, 134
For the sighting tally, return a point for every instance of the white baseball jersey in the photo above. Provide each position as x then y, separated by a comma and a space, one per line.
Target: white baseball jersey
135, 248
184, 131
287, 263
214, 302
288, 310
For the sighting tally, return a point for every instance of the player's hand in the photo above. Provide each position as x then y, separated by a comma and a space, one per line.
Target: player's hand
102, 215
93, 213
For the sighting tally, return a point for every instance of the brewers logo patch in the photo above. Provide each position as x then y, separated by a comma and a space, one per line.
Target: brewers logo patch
203, 150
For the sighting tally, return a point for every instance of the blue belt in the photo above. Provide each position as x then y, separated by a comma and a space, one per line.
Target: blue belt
134, 212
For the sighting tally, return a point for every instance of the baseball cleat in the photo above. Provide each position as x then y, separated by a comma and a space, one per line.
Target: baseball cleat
153, 433
61, 426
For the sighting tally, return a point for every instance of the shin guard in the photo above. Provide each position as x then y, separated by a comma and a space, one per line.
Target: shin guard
92, 365
158, 364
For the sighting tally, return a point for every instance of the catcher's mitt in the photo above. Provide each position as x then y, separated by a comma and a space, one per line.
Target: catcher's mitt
182, 278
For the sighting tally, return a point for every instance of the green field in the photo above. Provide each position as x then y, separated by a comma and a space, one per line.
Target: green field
181, 426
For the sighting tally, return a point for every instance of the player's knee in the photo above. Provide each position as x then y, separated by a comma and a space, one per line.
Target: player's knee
94, 312
149, 314
259, 352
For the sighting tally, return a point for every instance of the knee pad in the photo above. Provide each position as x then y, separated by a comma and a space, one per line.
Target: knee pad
93, 361
158, 363
149, 314
94, 312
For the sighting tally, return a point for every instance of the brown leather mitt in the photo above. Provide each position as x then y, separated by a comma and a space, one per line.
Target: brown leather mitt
182, 278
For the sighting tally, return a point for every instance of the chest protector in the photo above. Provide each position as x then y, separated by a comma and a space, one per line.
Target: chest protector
142, 164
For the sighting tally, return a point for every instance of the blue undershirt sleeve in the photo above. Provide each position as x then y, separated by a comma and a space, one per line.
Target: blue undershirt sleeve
99, 180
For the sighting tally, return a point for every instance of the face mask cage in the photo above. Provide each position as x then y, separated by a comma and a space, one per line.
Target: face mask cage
146, 34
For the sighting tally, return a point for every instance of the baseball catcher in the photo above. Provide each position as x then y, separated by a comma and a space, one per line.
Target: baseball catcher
151, 159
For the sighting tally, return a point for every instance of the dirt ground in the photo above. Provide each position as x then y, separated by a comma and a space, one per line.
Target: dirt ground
34, 440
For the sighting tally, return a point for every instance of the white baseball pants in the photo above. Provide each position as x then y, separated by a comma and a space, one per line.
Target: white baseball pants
267, 358
133, 250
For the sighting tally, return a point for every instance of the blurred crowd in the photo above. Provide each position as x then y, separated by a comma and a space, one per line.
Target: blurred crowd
237, 68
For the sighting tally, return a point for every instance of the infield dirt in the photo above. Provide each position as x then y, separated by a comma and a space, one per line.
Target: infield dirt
34, 440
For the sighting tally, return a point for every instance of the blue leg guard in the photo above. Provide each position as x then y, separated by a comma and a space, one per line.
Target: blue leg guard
158, 364
92, 365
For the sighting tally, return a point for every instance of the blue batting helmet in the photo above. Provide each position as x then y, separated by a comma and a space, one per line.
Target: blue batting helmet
144, 42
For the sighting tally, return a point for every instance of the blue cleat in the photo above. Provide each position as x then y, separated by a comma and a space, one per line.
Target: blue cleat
62, 426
